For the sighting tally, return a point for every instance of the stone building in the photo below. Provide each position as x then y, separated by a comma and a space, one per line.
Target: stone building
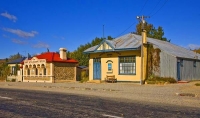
50, 67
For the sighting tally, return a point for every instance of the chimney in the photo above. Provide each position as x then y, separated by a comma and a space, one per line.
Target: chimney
63, 54
144, 37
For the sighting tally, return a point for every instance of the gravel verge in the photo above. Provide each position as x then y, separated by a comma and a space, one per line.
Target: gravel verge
186, 94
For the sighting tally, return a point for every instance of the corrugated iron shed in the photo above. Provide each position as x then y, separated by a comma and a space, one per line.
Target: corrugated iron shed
133, 42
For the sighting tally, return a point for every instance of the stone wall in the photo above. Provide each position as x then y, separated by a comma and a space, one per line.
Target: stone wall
37, 78
64, 72
48, 69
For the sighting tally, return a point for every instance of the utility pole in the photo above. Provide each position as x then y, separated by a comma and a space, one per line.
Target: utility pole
143, 49
103, 32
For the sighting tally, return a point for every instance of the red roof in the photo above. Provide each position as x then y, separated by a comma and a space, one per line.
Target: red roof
55, 57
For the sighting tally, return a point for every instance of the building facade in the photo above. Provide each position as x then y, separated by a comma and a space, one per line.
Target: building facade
126, 57
15, 70
50, 67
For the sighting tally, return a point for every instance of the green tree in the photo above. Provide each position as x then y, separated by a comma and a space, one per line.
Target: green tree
15, 56
152, 32
197, 50
78, 54
4, 70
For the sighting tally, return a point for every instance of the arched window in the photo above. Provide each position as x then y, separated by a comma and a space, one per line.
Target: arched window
42, 66
28, 71
44, 71
36, 71
38, 66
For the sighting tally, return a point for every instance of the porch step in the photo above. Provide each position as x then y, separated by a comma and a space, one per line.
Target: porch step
94, 81
183, 81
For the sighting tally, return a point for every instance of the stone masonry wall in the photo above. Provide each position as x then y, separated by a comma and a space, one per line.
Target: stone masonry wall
64, 72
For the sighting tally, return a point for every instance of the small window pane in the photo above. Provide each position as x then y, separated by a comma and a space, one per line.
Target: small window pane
127, 65
109, 66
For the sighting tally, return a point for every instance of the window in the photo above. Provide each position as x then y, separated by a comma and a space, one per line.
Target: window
109, 66
44, 71
36, 71
127, 65
195, 63
28, 71
181, 62
13, 70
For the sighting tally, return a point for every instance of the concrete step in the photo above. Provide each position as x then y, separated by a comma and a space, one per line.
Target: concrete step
183, 81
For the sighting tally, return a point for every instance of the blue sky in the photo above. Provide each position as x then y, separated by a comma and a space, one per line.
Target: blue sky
32, 26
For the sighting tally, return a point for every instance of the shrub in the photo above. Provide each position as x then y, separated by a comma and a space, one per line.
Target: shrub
13, 80
84, 76
197, 84
150, 82
156, 79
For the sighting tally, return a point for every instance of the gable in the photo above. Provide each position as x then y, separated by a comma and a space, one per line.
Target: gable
104, 46
35, 60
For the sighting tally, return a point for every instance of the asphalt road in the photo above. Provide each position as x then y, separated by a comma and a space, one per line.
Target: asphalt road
36, 104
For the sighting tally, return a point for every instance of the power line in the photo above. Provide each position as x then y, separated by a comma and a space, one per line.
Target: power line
160, 8
134, 22
125, 29
154, 8
143, 7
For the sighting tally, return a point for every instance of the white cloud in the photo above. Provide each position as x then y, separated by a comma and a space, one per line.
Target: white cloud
21, 33
193, 46
59, 37
41, 45
18, 41
9, 16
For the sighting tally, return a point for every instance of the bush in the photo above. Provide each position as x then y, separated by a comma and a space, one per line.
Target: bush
150, 82
84, 76
13, 80
157, 80
197, 84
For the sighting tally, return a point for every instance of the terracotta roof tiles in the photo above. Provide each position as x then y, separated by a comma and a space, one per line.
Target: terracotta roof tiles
54, 57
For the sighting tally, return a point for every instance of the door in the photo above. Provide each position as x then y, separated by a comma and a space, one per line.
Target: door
178, 71
97, 68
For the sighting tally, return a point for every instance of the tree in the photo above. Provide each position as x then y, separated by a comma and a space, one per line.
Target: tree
197, 50
78, 54
15, 56
4, 70
152, 32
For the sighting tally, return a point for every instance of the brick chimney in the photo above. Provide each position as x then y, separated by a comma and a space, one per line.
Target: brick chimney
63, 54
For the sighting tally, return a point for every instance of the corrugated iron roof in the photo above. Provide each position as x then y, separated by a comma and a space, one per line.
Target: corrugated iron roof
17, 61
132, 41
173, 49
91, 49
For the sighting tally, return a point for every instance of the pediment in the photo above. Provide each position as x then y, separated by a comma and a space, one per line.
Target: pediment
104, 46
34, 58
